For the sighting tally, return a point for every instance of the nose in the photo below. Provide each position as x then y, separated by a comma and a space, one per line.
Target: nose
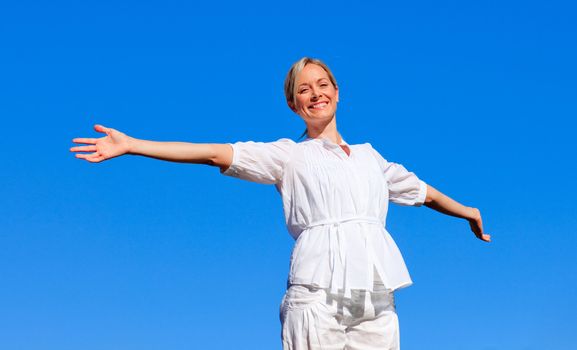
315, 93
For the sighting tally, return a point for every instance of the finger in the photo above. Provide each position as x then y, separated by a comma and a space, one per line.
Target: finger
96, 159
102, 128
83, 149
478, 231
92, 157
84, 155
480, 224
484, 237
90, 141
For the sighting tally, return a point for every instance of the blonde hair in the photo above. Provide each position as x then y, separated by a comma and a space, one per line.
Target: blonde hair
291, 77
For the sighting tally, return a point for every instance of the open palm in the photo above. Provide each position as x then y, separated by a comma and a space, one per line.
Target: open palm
114, 144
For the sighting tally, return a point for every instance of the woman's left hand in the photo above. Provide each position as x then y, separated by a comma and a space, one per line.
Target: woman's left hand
476, 224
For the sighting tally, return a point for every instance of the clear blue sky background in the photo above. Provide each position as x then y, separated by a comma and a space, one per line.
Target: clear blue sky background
478, 99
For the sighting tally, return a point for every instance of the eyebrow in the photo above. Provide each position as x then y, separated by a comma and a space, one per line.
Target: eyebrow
317, 81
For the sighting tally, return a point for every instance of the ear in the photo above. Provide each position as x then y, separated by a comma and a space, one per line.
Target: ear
337, 89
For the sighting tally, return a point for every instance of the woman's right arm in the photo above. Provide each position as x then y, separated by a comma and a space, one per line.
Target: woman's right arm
116, 143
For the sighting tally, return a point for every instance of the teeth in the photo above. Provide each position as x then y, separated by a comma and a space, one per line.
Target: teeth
320, 105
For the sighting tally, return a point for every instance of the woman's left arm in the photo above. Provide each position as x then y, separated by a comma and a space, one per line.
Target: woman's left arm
443, 204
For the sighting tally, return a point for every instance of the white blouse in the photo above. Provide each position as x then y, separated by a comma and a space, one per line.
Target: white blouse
335, 206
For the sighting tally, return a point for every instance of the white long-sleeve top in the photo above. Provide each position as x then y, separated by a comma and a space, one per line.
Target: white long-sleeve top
335, 206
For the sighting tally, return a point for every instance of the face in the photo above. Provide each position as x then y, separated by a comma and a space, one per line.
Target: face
316, 97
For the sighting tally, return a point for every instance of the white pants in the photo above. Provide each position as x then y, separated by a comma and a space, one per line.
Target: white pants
314, 319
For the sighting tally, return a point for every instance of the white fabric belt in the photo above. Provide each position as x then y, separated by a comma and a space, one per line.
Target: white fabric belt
337, 244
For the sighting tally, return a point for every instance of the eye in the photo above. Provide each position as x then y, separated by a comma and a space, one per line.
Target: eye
303, 91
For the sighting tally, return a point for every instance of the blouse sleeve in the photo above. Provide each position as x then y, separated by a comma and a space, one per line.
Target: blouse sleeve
405, 188
261, 162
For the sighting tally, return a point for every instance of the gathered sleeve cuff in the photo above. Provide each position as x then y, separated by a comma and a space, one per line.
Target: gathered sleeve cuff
405, 188
260, 162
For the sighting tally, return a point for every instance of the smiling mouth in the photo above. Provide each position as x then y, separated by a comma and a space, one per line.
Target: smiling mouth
319, 105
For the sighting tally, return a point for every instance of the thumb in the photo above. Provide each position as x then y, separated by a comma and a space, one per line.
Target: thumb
101, 128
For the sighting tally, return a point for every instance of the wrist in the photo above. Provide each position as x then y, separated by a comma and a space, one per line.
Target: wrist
472, 214
132, 145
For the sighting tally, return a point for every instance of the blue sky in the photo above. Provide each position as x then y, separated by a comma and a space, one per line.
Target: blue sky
478, 99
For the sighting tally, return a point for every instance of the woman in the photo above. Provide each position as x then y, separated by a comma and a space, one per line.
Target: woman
345, 266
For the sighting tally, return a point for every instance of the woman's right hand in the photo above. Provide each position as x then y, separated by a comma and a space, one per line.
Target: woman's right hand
114, 144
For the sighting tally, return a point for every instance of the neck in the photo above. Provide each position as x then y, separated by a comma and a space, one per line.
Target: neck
327, 131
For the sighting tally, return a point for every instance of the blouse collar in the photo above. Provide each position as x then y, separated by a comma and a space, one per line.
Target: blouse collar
326, 141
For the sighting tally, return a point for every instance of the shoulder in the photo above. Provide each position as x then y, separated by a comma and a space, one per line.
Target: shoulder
366, 147
373, 154
282, 144
281, 141
285, 141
